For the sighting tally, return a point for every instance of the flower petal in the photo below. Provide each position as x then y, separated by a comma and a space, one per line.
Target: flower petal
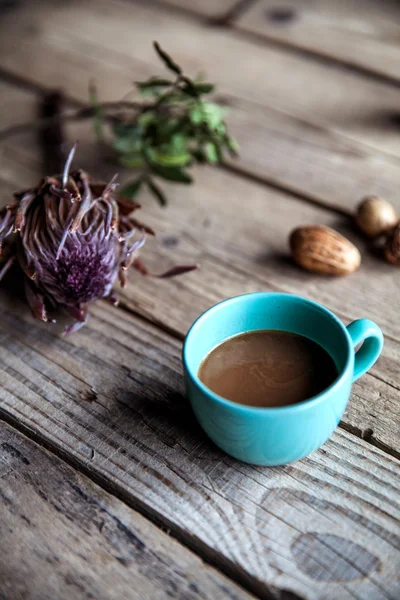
35, 301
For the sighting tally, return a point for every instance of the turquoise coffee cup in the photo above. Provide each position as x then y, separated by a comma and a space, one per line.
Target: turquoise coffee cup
281, 435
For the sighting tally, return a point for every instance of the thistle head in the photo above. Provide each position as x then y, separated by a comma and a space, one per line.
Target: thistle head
72, 238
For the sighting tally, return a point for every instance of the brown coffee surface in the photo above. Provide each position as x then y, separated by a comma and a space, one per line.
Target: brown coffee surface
268, 368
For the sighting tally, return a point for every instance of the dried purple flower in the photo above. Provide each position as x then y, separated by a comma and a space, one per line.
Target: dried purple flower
72, 238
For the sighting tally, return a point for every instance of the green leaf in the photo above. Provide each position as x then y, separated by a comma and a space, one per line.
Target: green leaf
146, 118
126, 145
130, 143
98, 119
179, 142
233, 146
131, 189
209, 113
157, 192
171, 160
221, 128
173, 153
167, 60
153, 86
174, 146
121, 129
196, 115
205, 88
213, 114
131, 161
154, 92
167, 128
190, 88
148, 154
211, 153
171, 173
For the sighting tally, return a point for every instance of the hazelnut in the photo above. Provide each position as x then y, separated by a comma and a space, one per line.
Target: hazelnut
392, 246
375, 216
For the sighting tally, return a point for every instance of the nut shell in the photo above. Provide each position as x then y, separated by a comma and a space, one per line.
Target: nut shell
392, 247
322, 250
375, 216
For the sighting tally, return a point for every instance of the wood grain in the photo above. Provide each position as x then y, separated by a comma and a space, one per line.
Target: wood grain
275, 148
361, 34
111, 398
332, 145
66, 45
203, 8
64, 537
241, 246
312, 161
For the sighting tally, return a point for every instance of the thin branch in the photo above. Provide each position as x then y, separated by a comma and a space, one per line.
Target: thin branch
79, 115
52, 137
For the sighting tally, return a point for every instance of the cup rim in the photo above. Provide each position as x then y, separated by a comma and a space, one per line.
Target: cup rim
298, 406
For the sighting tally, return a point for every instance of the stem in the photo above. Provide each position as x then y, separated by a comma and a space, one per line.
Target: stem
51, 137
88, 113
79, 115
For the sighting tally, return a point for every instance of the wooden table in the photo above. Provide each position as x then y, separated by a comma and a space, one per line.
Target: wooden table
109, 489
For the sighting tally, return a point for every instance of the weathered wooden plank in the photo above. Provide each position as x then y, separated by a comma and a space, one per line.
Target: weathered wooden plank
203, 8
61, 536
249, 252
310, 160
111, 398
363, 34
312, 550
67, 44
245, 253
241, 229
300, 143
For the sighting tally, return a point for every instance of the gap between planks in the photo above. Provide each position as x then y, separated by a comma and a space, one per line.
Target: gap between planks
287, 189
220, 17
321, 58
228, 19
236, 11
210, 556
102, 548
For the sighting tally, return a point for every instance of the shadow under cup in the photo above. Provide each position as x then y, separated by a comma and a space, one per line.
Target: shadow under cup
276, 435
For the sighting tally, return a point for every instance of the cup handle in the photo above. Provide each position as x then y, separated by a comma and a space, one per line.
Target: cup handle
367, 332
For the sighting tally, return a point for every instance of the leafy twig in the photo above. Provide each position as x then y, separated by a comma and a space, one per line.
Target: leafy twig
173, 128
81, 114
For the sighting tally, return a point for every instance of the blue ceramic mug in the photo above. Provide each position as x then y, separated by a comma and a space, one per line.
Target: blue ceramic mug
276, 436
